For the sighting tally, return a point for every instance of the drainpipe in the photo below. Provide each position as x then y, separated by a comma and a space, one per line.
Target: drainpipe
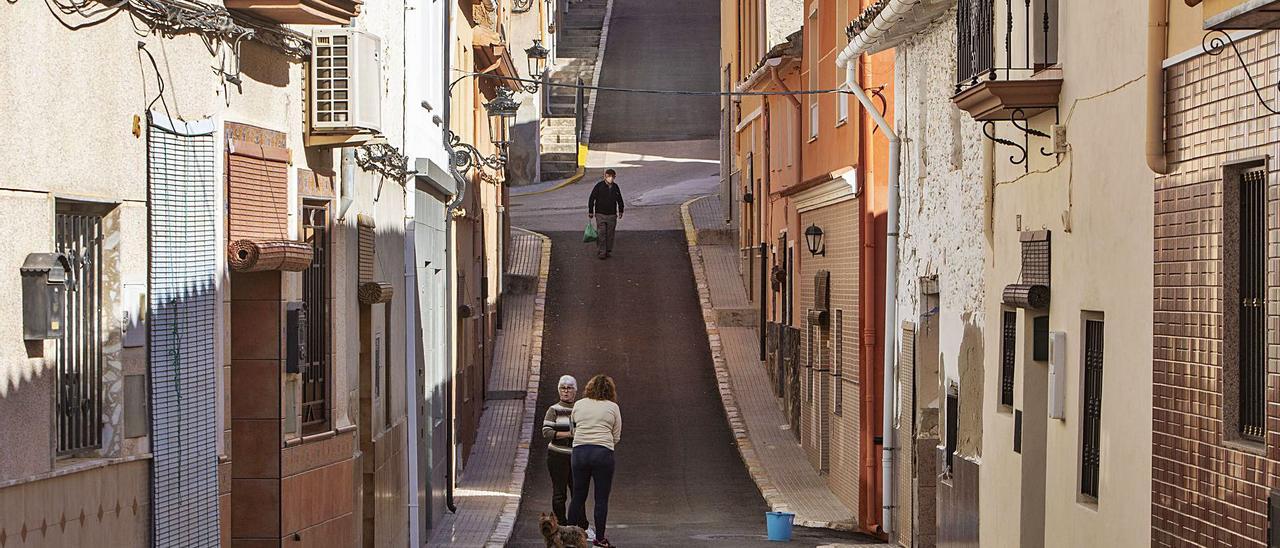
889, 493
347, 183
1157, 49
449, 268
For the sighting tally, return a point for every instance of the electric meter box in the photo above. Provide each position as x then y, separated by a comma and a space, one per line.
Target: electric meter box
45, 277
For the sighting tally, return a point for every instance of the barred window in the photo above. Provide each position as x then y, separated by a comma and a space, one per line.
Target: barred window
315, 297
79, 392
838, 372
1252, 344
1092, 424
1008, 355
809, 361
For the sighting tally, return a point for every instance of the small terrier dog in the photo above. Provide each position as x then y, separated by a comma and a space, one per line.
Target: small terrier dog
561, 536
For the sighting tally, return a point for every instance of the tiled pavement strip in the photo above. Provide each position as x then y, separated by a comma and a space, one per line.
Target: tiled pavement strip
773, 457
488, 491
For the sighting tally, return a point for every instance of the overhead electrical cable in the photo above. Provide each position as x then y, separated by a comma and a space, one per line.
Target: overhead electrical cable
694, 93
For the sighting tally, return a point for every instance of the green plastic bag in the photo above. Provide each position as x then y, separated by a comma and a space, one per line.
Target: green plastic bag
590, 234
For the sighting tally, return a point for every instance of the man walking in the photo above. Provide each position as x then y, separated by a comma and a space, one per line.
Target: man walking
605, 206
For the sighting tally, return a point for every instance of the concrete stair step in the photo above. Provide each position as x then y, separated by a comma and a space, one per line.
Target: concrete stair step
579, 51
559, 148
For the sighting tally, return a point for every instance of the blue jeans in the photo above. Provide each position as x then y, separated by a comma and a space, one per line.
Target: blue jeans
592, 464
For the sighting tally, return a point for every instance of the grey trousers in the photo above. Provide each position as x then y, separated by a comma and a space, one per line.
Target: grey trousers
605, 225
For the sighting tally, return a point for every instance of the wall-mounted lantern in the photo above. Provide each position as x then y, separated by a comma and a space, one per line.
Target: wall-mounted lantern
813, 238
502, 113
536, 55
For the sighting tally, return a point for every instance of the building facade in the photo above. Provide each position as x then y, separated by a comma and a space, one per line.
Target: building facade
245, 323
1212, 145
805, 175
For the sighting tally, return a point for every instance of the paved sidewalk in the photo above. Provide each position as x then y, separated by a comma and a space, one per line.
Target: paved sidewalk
774, 458
488, 491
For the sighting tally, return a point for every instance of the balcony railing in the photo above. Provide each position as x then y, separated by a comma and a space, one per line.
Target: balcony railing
1029, 28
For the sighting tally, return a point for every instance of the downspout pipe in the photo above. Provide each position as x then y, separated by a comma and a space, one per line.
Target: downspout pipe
890, 443
1157, 49
347, 182
450, 268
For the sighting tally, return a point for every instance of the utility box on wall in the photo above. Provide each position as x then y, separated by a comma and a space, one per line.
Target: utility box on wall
45, 277
1057, 375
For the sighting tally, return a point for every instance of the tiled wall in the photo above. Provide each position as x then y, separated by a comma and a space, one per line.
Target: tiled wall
103, 506
839, 223
1203, 491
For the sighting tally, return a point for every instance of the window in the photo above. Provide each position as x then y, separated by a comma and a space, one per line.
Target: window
814, 54
842, 40
953, 425
1092, 423
1008, 355
813, 117
1252, 346
809, 361
79, 382
315, 299
838, 404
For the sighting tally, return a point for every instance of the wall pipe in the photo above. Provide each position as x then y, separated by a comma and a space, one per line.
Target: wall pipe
1157, 49
347, 182
889, 493
450, 267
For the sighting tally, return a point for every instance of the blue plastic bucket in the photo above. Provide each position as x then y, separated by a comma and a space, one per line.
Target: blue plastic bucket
779, 525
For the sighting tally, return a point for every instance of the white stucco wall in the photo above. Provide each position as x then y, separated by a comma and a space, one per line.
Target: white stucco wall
942, 209
1097, 202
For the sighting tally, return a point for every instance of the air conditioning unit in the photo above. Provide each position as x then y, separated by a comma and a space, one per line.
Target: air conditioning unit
346, 81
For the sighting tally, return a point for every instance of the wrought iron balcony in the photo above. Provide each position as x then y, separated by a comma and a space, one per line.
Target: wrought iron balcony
998, 79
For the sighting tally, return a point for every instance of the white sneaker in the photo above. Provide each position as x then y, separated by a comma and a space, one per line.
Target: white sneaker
591, 534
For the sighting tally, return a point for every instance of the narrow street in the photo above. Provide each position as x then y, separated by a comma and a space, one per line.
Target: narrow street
680, 480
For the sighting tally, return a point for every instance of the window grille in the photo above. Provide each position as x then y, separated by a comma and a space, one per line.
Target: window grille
809, 362
79, 393
839, 365
953, 426
1253, 305
315, 298
1008, 355
1089, 450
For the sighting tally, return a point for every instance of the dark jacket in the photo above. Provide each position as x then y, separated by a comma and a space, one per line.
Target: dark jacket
606, 199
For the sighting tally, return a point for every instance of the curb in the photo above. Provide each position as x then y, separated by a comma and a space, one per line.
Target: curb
511, 510
595, 77
582, 171
724, 384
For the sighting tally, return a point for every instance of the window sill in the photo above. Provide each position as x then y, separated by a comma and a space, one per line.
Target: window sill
66, 467
812, 139
842, 122
1087, 502
1004, 409
1246, 446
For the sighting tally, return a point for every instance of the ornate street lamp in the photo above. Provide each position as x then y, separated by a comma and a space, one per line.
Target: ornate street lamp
813, 238
502, 114
537, 57
502, 111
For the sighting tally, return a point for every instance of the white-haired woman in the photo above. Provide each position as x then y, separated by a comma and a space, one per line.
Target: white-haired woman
557, 429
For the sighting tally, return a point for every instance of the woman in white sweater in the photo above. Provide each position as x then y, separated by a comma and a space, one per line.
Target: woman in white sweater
597, 427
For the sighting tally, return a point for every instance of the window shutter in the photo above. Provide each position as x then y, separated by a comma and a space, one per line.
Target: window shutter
367, 248
257, 191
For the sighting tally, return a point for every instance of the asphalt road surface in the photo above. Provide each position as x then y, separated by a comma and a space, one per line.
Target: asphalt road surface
660, 44
635, 317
